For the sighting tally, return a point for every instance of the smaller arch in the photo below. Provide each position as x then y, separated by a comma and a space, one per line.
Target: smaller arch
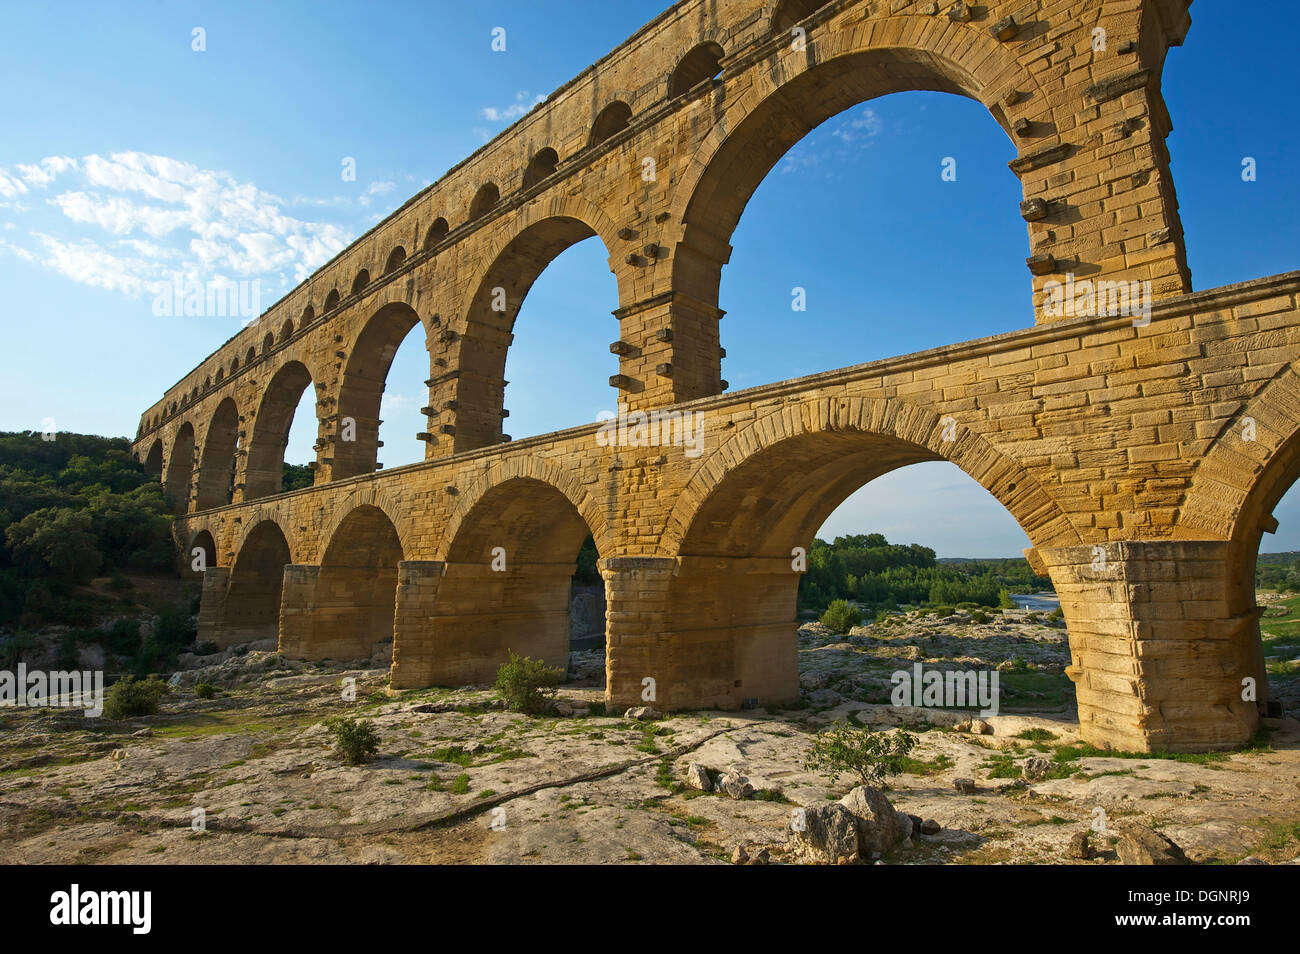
286, 330
332, 300
251, 356
487, 196
268, 342
252, 610
395, 259
542, 166
611, 120
308, 314
153, 460
221, 375
202, 542
437, 232
790, 12
699, 65
361, 281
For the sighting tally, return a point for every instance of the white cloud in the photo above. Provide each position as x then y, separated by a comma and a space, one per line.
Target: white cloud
519, 107
150, 219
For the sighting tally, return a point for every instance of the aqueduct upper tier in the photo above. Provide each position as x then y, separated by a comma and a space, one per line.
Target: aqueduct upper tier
1142, 457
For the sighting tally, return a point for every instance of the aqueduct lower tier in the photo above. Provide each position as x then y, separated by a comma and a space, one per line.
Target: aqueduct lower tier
1142, 460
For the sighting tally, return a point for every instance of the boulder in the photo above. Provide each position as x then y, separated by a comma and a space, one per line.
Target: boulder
814, 680
880, 827
735, 785
930, 827
643, 713
1142, 846
964, 785
980, 727
1079, 847
824, 698
697, 777
826, 834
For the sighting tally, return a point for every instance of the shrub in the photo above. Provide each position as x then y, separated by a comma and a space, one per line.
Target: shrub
526, 684
1057, 613
129, 697
205, 690
355, 740
841, 616
979, 616
872, 756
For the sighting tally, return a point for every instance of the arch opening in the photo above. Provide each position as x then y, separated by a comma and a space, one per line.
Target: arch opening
332, 300
252, 605
611, 120
542, 166
395, 260
353, 611
436, 233
266, 449
701, 64
733, 611
361, 281
153, 461
217, 462
484, 200
362, 389
508, 584
180, 468
490, 322
201, 545
791, 12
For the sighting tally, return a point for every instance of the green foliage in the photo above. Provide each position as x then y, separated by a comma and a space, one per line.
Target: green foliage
869, 570
355, 740
71, 508
841, 616
587, 573
297, 476
205, 690
527, 684
873, 756
129, 697
1279, 572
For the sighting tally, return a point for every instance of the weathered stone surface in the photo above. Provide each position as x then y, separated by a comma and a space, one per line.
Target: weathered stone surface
1143, 846
697, 777
829, 835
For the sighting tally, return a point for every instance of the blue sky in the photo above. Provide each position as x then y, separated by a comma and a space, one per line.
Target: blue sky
128, 157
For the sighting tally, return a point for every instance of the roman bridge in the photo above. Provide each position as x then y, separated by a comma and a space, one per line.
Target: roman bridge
1142, 455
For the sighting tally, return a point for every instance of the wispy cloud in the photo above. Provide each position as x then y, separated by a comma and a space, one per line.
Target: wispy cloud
130, 221
508, 114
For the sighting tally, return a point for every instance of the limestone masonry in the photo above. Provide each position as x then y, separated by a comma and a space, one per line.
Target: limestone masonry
1141, 453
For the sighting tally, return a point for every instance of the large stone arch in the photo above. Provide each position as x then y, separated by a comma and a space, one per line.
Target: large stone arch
377, 498
153, 460
537, 235
549, 473
361, 388
844, 64
352, 609
251, 607
217, 461
505, 568
180, 467
860, 425
264, 468
731, 617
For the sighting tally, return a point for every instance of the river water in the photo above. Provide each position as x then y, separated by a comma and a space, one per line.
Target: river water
1036, 601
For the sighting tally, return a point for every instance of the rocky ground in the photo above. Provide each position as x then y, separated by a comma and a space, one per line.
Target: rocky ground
250, 775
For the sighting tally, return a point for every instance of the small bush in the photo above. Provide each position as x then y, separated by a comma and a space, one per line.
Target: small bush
1057, 613
205, 690
872, 756
841, 616
527, 684
129, 697
979, 616
355, 740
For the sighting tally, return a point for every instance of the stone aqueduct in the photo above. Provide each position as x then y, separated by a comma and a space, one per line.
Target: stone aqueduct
1143, 460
